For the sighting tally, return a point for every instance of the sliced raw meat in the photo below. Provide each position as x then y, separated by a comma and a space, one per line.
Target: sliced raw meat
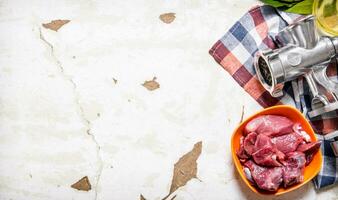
311, 147
242, 155
254, 124
293, 170
298, 129
249, 143
275, 150
266, 156
292, 175
265, 178
309, 158
270, 125
264, 141
280, 155
287, 143
295, 159
241, 152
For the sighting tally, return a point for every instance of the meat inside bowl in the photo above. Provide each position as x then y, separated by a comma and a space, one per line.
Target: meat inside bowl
267, 169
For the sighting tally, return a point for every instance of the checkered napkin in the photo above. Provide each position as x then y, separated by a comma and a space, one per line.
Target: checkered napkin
235, 53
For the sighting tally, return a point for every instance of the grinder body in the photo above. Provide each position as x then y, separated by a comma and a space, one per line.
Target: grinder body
302, 53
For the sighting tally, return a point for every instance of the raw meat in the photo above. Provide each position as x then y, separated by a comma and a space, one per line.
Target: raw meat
280, 155
293, 170
273, 150
270, 125
266, 156
287, 143
309, 158
265, 178
298, 129
309, 147
241, 152
295, 159
292, 175
263, 142
249, 143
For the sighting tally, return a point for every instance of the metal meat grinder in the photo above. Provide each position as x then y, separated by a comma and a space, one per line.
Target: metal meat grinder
301, 52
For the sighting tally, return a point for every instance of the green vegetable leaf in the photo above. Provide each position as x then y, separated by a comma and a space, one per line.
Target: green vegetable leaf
277, 4
291, 0
303, 7
293, 6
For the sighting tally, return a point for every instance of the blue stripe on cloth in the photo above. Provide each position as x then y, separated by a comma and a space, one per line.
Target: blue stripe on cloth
238, 31
229, 41
328, 174
327, 180
250, 44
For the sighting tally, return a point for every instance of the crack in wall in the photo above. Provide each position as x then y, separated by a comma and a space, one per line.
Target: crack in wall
81, 112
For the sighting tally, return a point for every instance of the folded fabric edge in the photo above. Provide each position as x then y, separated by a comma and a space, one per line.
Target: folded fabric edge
213, 52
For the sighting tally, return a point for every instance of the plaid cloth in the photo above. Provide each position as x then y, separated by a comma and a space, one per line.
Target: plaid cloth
235, 53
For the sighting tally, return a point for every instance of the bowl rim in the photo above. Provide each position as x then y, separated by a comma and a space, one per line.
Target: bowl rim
234, 156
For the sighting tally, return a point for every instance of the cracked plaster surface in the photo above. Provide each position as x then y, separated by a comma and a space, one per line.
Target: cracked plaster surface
87, 123
63, 117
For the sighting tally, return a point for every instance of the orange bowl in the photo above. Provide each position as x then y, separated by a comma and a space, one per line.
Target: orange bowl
293, 114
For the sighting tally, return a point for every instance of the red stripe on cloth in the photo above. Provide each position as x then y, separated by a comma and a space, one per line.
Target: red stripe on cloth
231, 63
260, 23
257, 16
266, 100
242, 76
262, 30
325, 126
254, 87
218, 51
269, 42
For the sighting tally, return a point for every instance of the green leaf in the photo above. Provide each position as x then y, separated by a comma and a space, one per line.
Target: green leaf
290, 1
277, 4
293, 6
303, 7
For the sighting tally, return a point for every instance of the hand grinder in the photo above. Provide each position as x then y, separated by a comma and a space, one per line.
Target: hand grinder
301, 52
